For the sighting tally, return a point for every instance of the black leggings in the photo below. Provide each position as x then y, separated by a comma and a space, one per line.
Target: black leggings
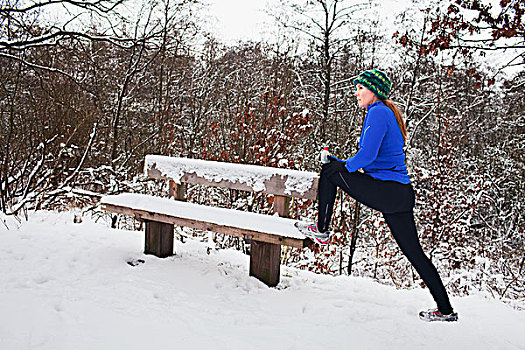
396, 202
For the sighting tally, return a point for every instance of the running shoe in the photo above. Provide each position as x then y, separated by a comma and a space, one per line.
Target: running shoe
434, 315
311, 231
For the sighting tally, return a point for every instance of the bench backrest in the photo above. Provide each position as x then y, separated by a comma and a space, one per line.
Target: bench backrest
253, 178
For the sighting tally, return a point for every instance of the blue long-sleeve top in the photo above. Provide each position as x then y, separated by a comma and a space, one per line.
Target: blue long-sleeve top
381, 144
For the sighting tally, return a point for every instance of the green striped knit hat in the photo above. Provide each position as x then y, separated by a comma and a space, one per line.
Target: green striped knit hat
375, 81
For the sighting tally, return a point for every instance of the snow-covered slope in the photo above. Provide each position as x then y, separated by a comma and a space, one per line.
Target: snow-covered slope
69, 286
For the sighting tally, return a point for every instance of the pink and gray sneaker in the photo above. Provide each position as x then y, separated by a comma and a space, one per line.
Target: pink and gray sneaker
311, 231
435, 315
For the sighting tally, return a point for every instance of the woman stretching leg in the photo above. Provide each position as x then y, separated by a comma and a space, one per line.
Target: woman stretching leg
384, 184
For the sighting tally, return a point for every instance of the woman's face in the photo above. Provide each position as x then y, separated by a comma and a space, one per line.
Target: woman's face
364, 96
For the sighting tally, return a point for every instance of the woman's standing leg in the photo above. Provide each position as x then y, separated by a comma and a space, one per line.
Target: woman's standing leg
404, 231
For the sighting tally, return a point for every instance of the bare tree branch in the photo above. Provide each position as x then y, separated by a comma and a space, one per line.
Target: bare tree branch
100, 5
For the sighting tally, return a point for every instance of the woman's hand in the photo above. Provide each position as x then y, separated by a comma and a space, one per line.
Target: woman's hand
335, 166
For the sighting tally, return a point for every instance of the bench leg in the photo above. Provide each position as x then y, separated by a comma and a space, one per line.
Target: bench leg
159, 239
265, 262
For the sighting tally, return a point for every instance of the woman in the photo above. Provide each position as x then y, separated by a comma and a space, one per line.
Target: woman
383, 185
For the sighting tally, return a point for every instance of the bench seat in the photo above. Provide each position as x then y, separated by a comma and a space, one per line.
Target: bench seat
251, 226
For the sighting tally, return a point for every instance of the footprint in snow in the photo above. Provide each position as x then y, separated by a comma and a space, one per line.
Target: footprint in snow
135, 262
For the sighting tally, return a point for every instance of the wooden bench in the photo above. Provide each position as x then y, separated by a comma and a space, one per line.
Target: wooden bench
266, 233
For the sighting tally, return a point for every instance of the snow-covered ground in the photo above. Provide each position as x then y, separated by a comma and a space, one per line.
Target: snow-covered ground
69, 286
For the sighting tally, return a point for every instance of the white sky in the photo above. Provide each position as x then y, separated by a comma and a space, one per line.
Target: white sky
234, 20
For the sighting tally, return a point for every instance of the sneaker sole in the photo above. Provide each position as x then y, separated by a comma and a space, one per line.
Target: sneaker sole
423, 318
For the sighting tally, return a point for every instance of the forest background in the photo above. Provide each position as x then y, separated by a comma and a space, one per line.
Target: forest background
85, 97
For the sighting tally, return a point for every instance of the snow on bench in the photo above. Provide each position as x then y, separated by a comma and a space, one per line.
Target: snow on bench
253, 178
266, 233
260, 227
